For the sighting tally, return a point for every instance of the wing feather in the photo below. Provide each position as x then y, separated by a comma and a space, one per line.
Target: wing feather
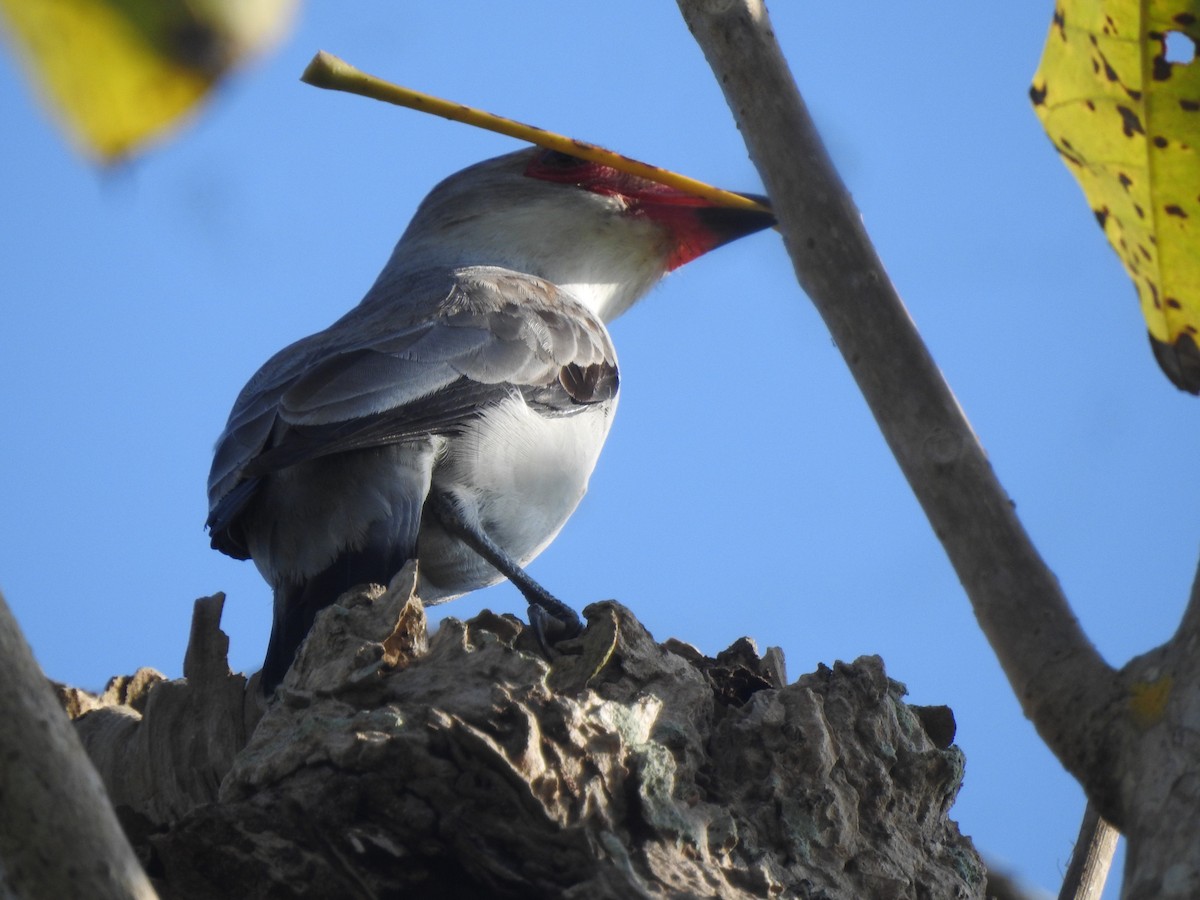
421, 356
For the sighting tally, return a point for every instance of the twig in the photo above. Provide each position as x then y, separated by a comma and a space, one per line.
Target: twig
329, 72
1091, 858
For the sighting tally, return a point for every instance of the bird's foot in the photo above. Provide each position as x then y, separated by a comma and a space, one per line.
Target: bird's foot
551, 623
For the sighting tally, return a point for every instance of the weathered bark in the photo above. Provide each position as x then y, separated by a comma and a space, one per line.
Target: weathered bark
1131, 737
465, 765
58, 835
163, 746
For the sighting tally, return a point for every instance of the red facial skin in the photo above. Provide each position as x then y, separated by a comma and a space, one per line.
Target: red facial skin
695, 224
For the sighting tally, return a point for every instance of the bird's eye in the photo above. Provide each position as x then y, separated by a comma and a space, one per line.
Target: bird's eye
554, 159
553, 165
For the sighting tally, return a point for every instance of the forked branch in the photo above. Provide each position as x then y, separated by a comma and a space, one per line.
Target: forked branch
1063, 684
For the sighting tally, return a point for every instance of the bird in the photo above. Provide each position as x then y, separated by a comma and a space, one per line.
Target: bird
455, 415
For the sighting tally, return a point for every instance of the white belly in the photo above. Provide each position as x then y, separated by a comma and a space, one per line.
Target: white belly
520, 475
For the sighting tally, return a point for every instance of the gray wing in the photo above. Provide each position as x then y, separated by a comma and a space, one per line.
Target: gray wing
421, 357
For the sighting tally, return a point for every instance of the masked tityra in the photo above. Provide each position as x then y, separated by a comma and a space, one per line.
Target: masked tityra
456, 413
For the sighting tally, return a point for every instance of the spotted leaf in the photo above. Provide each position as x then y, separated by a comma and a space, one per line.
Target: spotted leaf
1118, 91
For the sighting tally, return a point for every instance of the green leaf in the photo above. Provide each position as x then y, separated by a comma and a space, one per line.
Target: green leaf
1126, 120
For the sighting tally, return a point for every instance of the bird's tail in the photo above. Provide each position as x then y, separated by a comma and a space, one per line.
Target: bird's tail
297, 605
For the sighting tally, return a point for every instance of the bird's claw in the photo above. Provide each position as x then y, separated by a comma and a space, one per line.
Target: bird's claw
550, 627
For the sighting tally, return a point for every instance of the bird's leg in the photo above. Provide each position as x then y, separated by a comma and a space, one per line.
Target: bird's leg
543, 606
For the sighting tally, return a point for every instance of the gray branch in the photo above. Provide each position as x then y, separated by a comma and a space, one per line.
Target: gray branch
58, 834
1063, 685
1131, 737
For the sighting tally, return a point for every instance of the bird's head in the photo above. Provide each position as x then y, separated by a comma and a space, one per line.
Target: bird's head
602, 234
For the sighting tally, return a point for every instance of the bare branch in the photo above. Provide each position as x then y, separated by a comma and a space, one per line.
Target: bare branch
59, 836
1061, 681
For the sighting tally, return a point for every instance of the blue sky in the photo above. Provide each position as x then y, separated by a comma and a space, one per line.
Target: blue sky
745, 489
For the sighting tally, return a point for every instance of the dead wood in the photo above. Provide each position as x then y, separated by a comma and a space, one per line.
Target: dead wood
465, 765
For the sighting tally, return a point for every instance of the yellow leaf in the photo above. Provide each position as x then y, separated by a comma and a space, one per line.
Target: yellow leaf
121, 72
1124, 114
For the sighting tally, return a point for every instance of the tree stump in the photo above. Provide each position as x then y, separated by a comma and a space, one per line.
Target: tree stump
466, 765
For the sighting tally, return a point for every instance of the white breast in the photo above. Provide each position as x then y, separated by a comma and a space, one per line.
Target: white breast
520, 475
